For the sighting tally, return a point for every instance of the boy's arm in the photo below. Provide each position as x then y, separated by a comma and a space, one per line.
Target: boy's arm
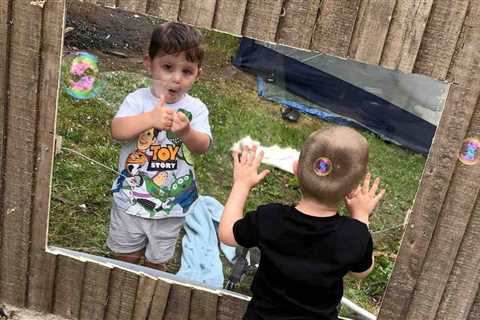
245, 177
364, 274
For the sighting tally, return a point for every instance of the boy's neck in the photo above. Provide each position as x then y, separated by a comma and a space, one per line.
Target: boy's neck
314, 208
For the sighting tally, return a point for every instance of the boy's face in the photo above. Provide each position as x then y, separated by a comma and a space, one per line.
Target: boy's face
172, 75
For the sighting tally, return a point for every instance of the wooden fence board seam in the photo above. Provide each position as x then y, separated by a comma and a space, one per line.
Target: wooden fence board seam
230, 16
440, 38
19, 158
261, 19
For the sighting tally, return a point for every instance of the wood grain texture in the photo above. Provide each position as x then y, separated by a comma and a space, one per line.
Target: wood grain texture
261, 19
198, 13
139, 6
95, 291
19, 160
145, 292
405, 34
178, 305
203, 305
440, 38
334, 27
296, 26
68, 287
160, 300
42, 281
371, 30
229, 16
230, 307
122, 295
166, 9
430, 197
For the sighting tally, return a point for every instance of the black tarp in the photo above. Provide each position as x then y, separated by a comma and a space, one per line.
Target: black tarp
340, 97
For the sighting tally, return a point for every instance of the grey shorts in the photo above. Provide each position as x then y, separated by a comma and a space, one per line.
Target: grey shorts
129, 233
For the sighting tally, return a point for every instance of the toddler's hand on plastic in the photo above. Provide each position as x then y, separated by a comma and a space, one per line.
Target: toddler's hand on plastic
245, 167
362, 201
162, 116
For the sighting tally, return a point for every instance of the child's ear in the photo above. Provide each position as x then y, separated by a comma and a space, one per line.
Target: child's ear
295, 167
200, 71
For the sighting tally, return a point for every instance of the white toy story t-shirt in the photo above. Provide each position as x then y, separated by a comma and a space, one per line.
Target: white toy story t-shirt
157, 178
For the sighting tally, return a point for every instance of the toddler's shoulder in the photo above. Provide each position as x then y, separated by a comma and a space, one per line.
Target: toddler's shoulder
354, 226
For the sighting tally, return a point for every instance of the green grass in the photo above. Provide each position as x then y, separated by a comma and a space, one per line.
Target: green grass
81, 189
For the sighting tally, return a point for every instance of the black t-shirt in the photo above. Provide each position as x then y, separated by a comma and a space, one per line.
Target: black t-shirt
304, 259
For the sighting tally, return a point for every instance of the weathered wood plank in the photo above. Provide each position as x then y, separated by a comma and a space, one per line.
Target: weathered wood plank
440, 38
371, 30
95, 291
68, 287
230, 307
474, 312
42, 282
229, 16
5, 17
428, 203
447, 238
203, 305
139, 6
261, 19
335, 25
122, 294
145, 292
160, 300
178, 306
166, 9
296, 26
198, 13
405, 34
462, 286
19, 158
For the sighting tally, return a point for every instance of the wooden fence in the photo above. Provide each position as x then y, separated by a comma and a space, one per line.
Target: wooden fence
436, 274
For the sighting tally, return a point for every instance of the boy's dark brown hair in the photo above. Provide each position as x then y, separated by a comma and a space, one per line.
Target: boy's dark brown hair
348, 152
174, 37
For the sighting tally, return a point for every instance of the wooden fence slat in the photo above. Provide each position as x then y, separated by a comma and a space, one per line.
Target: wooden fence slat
95, 291
42, 282
405, 34
145, 292
51, 54
459, 294
474, 312
19, 157
166, 9
334, 28
261, 19
447, 238
371, 30
296, 27
440, 38
122, 294
229, 16
4, 52
138, 6
68, 287
203, 305
231, 308
198, 13
160, 300
433, 187
178, 306
468, 48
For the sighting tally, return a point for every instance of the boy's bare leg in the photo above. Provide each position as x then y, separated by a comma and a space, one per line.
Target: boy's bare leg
132, 257
162, 266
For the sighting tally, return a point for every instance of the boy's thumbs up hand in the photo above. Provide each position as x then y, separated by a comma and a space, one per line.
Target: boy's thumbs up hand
162, 117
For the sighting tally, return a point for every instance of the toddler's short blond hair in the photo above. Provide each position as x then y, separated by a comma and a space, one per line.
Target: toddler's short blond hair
344, 151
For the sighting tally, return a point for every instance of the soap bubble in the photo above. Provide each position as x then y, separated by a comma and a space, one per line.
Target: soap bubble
80, 75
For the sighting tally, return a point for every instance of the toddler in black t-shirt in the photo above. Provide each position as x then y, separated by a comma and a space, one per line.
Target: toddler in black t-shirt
307, 249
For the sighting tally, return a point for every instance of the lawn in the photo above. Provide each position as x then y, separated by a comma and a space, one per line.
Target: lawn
81, 188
